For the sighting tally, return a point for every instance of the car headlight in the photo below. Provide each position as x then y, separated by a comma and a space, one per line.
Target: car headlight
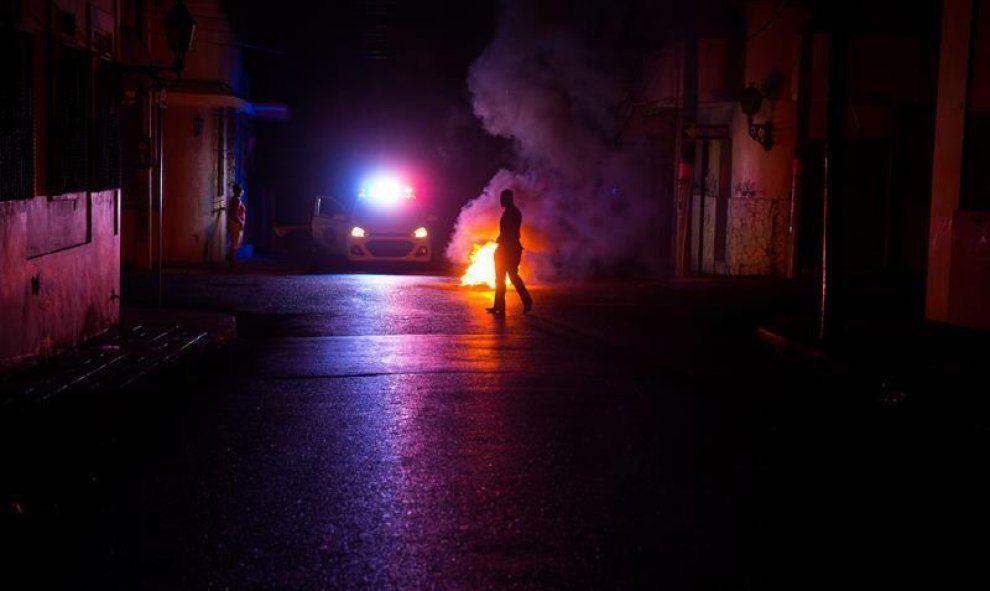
357, 232
421, 232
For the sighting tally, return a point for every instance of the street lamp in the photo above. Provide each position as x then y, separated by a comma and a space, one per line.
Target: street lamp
179, 29
750, 101
180, 26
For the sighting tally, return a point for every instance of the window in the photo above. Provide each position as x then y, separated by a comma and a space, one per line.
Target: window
16, 116
106, 131
68, 154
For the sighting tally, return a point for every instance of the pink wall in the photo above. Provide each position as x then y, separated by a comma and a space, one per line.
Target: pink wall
194, 227
969, 283
949, 126
194, 232
959, 241
758, 213
76, 286
214, 54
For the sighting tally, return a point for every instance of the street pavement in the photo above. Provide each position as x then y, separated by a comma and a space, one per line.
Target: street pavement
376, 431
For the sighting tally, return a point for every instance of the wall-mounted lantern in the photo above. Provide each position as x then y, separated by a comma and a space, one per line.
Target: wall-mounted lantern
750, 101
180, 26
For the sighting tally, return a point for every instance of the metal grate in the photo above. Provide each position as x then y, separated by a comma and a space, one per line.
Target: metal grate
390, 248
106, 131
16, 116
68, 153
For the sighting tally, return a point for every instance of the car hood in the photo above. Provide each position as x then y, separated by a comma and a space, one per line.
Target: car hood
389, 223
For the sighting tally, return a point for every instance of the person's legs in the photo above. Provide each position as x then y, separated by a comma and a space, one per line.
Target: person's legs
500, 269
512, 268
517, 282
236, 235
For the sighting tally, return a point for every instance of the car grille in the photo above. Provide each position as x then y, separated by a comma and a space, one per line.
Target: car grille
389, 248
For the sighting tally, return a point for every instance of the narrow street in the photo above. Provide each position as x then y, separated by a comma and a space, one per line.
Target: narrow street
235, 352
375, 431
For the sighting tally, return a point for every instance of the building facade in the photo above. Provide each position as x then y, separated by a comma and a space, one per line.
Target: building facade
905, 200
59, 170
187, 143
97, 137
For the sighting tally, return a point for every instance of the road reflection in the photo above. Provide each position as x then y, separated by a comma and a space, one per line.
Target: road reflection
444, 485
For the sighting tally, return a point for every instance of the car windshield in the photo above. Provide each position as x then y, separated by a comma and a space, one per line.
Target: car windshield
404, 216
330, 206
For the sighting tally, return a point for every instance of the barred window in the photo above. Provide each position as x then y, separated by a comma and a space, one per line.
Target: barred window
16, 116
68, 162
106, 131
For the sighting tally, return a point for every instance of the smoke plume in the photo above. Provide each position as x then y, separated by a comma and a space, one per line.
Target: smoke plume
584, 195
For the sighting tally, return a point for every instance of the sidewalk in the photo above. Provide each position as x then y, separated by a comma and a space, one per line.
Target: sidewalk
937, 374
901, 363
146, 341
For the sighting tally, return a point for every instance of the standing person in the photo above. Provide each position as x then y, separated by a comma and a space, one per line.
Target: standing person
236, 217
508, 255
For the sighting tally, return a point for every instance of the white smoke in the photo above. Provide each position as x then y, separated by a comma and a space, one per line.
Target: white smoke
584, 196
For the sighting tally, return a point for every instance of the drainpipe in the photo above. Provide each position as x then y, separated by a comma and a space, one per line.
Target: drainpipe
803, 117
686, 150
835, 173
160, 192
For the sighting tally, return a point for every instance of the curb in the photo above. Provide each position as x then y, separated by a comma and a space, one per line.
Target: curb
787, 344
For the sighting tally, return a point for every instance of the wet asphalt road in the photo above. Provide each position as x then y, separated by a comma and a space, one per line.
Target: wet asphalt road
383, 432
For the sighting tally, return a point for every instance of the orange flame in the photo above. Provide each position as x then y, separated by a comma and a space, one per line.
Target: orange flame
481, 270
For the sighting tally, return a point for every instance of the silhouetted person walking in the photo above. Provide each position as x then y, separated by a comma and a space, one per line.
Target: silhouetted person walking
508, 255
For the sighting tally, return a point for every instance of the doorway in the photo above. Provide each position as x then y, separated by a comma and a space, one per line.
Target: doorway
710, 207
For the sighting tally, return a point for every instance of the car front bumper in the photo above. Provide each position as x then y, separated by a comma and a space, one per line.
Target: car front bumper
389, 247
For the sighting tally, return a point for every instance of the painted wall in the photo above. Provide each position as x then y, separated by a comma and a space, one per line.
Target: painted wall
57, 299
969, 281
59, 254
199, 162
759, 205
214, 54
138, 177
194, 220
959, 243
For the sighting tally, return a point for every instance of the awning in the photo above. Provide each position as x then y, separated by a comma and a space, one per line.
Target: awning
206, 93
